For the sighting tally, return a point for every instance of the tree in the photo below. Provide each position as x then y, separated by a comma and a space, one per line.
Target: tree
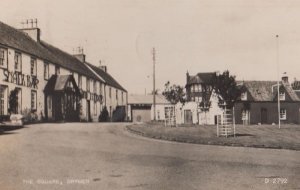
226, 88
13, 101
174, 93
103, 117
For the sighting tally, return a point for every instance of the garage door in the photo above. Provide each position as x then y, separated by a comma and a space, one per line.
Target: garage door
139, 115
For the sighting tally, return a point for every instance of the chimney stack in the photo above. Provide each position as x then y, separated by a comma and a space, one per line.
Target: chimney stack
187, 76
102, 67
285, 78
79, 54
30, 28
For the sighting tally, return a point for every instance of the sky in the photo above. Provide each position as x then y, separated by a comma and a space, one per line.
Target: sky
188, 35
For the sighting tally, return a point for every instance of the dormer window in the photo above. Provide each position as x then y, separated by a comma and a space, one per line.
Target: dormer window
281, 95
244, 96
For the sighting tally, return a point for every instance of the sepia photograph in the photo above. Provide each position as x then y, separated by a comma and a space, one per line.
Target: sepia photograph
150, 95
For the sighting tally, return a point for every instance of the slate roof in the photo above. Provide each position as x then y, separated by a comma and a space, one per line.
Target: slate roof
147, 99
68, 61
267, 90
106, 77
201, 78
19, 40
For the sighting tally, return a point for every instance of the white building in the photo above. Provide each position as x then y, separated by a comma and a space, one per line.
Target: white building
50, 83
141, 109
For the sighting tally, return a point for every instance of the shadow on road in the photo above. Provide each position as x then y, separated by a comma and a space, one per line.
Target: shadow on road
7, 133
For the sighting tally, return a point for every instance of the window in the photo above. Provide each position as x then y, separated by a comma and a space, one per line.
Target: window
33, 100
57, 70
87, 84
100, 87
282, 114
95, 87
122, 97
116, 94
95, 108
33, 67
158, 115
18, 62
281, 96
109, 92
46, 71
79, 81
3, 57
2, 100
245, 114
193, 88
244, 96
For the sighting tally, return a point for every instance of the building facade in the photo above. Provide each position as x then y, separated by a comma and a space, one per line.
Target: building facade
202, 103
259, 103
141, 109
42, 80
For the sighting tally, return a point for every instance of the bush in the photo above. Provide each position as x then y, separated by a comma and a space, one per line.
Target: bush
119, 114
104, 116
30, 116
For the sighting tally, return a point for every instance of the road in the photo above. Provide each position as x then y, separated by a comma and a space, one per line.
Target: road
106, 156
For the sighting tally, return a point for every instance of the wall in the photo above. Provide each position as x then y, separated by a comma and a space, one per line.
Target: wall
272, 112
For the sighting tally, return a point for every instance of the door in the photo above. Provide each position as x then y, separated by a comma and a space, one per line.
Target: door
188, 117
88, 110
57, 107
264, 115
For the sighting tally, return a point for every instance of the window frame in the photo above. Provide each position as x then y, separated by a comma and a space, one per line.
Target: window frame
5, 58
19, 69
57, 70
283, 114
281, 96
244, 96
88, 85
31, 100
33, 66
46, 70
79, 81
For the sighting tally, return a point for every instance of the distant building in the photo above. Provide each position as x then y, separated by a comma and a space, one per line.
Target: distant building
259, 103
50, 83
199, 88
140, 108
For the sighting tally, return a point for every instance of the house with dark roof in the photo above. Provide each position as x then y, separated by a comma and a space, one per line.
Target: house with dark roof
199, 89
51, 83
259, 103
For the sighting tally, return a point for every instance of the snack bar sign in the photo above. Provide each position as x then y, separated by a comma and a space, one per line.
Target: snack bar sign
20, 79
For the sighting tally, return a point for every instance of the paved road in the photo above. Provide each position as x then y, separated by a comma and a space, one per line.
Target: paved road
106, 156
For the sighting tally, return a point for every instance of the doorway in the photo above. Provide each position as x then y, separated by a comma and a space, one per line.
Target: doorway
188, 117
264, 115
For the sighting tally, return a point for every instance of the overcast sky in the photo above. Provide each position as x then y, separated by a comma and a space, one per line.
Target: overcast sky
189, 35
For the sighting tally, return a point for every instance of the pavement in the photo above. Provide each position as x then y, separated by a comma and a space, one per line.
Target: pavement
106, 156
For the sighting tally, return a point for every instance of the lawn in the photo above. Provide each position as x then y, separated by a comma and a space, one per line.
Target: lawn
261, 136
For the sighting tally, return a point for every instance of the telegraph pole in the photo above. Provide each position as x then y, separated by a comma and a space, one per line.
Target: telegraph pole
278, 78
154, 97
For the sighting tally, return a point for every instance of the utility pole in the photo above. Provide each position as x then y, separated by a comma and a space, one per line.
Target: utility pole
278, 78
154, 97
